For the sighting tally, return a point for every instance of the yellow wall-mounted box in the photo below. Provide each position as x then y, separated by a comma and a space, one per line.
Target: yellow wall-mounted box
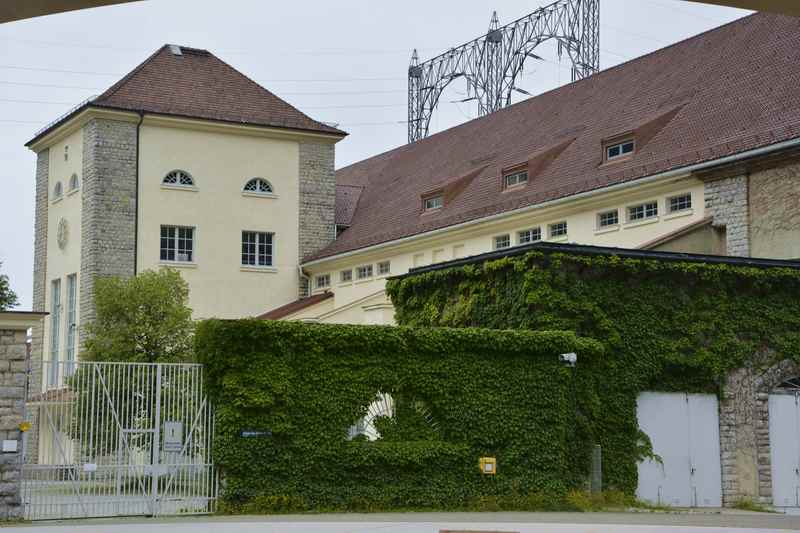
488, 465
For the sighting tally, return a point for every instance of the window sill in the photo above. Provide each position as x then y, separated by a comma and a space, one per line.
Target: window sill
73, 191
365, 280
55, 201
259, 194
178, 264
345, 283
184, 188
645, 222
607, 229
679, 214
560, 238
250, 268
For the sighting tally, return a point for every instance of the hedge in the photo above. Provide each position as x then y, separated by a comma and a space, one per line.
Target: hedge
295, 389
664, 325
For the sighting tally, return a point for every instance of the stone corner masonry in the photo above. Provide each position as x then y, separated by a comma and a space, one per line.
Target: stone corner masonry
13, 374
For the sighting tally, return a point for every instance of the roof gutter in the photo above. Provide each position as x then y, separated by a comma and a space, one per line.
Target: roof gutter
558, 201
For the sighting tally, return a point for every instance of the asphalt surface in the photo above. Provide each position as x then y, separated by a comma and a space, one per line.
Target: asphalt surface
728, 521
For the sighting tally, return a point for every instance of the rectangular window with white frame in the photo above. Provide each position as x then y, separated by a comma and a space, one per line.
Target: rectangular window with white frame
364, 272
322, 281
558, 229
257, 248
177, 244
55, 329
608, 219
515, 179
643, 211
432, 203
620, 149
529, 235
682, 202
384, 267
72, 316
346, 276
502, 241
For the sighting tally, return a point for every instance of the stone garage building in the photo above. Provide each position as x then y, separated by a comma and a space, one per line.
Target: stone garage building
702, 356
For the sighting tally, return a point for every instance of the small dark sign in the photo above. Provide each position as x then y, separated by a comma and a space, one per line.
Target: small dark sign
249, 434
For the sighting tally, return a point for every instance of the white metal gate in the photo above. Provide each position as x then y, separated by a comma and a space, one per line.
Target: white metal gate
684, 431
117, 439
784, 441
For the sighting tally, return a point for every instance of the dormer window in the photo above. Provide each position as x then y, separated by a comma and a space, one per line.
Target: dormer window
515, 179
432, 203
620, 149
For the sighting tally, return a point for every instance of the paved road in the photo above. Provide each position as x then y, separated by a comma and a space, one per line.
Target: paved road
729, 522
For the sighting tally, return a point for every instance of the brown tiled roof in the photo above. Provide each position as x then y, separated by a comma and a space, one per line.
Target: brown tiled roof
295, 306
346, 201
731, 89
197, 84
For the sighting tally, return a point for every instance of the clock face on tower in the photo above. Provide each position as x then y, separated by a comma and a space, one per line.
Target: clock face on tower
63, 233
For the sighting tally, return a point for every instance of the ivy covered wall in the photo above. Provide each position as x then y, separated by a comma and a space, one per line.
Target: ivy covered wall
287, 394
664, 325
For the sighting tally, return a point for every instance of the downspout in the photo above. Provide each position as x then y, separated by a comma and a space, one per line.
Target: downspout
304, 276
136, 180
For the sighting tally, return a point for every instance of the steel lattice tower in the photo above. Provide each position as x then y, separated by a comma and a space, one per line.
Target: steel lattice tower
491, 63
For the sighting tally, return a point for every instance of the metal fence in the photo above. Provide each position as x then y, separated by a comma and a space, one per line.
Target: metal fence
117, 439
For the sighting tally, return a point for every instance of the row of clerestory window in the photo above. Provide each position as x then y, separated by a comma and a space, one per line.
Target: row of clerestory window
181, 178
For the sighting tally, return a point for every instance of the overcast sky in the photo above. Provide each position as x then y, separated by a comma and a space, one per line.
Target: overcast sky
342, 62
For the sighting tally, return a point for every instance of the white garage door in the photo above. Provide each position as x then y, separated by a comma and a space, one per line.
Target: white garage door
784, 440
684, 430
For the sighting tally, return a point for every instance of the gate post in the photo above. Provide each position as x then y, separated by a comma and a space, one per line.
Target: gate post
154, 462
13, 380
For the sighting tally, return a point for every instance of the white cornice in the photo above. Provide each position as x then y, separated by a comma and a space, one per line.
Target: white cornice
77, 122
19, 320
90, 112
238, 129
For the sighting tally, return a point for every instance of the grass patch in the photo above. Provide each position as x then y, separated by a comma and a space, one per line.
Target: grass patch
746, 504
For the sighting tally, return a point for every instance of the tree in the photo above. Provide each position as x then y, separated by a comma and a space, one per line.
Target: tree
143, 319
8, 298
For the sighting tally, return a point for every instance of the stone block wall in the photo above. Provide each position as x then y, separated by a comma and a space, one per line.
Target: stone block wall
108, 218
40, 258
775, 212
317, 200
13, 367
744, 430
726, 200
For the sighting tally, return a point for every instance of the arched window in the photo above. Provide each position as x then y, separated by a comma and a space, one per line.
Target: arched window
74, 183
180, 178
58, 190
258, 186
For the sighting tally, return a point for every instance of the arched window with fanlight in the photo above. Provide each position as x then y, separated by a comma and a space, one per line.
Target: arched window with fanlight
58, 191
178, 178
258, 187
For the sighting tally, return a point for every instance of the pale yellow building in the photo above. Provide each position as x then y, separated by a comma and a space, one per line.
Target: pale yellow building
692, 148
184, 163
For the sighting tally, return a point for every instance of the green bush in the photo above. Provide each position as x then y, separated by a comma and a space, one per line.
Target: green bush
668, 326
460, 394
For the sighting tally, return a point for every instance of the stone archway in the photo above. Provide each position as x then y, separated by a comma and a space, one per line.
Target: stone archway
744, 431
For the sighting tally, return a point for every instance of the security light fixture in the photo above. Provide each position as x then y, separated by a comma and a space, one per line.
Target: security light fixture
570, 359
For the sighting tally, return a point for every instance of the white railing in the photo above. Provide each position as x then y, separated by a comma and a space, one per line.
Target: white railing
111, 439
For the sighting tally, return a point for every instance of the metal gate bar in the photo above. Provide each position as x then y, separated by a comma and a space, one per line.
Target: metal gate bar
117, 439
